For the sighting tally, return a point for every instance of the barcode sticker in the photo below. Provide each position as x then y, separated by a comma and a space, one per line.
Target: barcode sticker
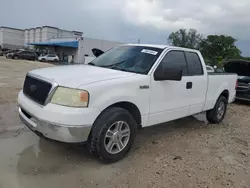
152, 52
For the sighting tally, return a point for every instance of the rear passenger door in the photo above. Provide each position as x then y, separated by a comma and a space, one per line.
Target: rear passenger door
197, 94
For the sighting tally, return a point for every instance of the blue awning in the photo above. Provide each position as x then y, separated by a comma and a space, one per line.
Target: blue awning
71, 44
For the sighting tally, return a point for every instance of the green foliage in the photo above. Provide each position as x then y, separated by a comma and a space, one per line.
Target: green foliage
216, 48
245, 58
186, 39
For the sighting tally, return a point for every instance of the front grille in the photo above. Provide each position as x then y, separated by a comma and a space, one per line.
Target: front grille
25, 113
36, 89
243, 86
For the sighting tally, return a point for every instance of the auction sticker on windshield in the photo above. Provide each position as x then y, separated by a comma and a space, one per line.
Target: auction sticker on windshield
152, 52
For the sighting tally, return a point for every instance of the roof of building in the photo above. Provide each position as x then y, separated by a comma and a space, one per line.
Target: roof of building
50, 27
32, 28
11, 28
71, 44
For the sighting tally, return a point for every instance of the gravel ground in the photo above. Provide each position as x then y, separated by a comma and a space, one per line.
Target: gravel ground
185, 153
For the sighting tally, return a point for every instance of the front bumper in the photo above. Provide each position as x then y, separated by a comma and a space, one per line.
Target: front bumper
62, 133
64, 124
243, 95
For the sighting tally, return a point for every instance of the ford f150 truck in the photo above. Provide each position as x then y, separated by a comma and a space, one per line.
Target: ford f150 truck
128, 87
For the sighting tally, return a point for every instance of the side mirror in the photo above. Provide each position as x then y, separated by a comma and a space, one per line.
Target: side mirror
174, 74
97, 52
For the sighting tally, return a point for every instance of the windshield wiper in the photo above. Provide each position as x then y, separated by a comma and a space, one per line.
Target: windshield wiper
115, 64
126, 70
91, 64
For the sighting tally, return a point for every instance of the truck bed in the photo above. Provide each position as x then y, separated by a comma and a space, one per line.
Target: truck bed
217, 81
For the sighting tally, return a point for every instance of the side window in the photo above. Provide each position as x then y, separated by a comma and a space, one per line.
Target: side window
51, 55
175, 59
194, 64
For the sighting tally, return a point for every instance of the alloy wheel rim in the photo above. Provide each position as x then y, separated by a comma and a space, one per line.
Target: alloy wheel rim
117, 137
221, 110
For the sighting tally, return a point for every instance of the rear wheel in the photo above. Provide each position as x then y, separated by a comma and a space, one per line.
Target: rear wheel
217, 114
113, 134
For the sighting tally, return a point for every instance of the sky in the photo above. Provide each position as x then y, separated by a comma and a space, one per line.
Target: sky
151, 21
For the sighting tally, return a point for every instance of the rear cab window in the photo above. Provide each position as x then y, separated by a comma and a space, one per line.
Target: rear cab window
194, 64
51, 55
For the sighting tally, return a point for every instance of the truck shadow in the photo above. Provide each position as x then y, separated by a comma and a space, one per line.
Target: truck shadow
48, 157
179, 127
78, 153
240, 102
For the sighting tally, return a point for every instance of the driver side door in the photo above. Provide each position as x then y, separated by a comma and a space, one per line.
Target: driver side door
169, 99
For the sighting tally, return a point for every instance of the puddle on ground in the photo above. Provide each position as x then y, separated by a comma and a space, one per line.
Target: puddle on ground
27, 161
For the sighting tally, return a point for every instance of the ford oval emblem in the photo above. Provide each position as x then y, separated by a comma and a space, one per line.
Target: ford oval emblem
32, 88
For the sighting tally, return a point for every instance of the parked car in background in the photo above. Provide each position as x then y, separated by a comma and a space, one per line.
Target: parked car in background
48, 58
126, 88
242, 68
9, 53
24, 54
209, 68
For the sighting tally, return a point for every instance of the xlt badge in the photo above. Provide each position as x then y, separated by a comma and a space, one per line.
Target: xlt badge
144, 87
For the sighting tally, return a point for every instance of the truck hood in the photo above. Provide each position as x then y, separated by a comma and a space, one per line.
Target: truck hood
242, 68
74, 76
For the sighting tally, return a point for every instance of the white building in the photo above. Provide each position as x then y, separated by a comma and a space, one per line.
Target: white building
79, 49
46, 33
70, 46
11, 38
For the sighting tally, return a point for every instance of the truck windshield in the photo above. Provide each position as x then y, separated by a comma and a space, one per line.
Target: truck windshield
137, 59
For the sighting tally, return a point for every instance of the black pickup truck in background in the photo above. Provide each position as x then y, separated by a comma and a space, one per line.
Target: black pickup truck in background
242, 68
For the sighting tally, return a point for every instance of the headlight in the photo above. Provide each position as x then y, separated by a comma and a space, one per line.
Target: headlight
70, 97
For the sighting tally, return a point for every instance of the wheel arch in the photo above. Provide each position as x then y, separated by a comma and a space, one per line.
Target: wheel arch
130, 107
225, 94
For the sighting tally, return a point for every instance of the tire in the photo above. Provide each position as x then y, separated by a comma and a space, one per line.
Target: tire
55, 60
216, 115
98, 142
43, 60
15, 57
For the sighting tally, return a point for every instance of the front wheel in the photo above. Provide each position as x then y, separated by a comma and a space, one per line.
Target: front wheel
217, 114
113, 134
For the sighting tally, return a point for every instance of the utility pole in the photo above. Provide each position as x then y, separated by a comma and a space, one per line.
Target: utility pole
138, 41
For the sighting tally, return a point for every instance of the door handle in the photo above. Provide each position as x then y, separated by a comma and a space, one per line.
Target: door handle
189, 85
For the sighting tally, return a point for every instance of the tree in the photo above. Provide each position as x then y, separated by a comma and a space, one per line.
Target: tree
217, 48
186, 39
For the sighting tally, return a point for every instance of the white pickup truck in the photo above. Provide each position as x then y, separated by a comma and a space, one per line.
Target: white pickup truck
128, 87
